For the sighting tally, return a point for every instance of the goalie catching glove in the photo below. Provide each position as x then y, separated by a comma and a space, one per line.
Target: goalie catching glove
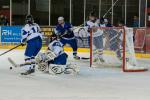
45, 57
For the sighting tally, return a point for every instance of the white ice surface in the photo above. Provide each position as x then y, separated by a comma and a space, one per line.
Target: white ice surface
90, 84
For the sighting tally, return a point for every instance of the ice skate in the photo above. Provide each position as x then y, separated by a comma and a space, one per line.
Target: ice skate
76, 57
30, 71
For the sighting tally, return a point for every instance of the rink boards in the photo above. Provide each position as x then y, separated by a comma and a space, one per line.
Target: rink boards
68, 49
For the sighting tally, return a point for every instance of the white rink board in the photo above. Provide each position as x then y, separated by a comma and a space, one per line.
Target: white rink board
90, 84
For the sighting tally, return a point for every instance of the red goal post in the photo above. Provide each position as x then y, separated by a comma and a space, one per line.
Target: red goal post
113, 47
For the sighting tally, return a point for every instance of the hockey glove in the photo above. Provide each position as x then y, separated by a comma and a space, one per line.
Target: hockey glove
23, 44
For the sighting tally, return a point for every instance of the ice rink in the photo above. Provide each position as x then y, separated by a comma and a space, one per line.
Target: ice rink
89, 84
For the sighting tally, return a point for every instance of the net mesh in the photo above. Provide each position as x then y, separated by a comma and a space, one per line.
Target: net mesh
106, 45
113, 47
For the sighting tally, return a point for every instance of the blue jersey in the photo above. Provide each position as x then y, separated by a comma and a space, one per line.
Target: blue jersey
30, 31
63, 29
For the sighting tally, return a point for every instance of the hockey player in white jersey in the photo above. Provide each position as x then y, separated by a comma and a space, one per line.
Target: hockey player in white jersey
104, 22
54, 59
31, 35
97, 35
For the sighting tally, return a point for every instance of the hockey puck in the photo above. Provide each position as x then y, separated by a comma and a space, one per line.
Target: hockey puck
10, 68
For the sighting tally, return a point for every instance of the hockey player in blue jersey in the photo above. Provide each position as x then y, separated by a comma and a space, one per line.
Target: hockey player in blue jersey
54, 59
31, 35
65, 30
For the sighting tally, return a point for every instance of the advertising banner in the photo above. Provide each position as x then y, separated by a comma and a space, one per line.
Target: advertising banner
10, 34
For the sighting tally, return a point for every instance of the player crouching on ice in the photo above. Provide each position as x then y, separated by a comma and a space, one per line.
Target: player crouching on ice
54, 60
31, 35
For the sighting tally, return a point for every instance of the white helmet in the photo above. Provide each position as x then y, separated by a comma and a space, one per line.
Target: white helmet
60, 18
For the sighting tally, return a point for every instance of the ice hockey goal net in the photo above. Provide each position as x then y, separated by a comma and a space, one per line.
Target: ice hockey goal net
113, 47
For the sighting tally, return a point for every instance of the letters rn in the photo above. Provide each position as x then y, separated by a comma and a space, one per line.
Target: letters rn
7, 32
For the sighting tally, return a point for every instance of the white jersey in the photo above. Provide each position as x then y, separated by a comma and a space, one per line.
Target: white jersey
90, 24
30, 31
56, 47
102, 25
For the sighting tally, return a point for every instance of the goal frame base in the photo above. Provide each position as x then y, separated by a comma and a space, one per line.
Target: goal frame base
135, 70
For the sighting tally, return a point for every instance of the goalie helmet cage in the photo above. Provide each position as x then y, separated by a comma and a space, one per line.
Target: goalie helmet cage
111, 38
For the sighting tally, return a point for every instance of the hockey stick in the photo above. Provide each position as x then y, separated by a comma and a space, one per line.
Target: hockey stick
84, 58
72, 30
110, 8
10, 49
78, 26
14, 64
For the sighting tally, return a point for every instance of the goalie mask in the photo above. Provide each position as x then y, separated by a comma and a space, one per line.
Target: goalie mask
29, 19
53, 37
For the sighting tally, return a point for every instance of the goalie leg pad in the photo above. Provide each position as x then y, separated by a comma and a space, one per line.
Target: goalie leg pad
56, 69
72, 69
66, 69
42, 66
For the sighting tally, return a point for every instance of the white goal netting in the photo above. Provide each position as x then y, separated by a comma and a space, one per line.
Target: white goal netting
113, 47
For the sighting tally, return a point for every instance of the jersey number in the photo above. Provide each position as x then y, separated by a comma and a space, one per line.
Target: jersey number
34, 29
